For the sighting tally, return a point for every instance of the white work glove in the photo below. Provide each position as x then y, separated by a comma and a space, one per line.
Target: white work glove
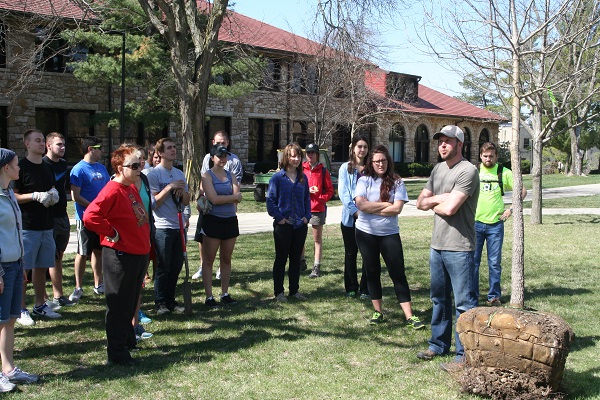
53, 196
42, 197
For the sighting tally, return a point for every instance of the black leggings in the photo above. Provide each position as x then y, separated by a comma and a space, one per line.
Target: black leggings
350, 252
390, 248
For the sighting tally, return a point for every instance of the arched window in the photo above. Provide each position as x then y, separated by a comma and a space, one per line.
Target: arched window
397, 139
422, 144
467, 144
484, 136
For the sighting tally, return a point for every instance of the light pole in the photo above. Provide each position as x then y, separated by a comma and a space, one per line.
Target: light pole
122, 112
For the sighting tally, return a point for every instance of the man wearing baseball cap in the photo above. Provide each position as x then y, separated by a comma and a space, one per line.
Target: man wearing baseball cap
451, 192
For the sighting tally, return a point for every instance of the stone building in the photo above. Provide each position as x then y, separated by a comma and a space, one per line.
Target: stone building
406, 113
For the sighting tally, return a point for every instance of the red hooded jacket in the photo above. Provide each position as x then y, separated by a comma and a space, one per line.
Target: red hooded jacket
323, 183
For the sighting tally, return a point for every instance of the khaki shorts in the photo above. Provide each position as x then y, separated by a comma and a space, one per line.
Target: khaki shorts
318, 218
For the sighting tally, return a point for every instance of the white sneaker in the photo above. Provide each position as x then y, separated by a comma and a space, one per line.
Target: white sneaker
218, 274
53, 306
45, 311
198, 274
25, 319
99, 289
76, 295
5, 384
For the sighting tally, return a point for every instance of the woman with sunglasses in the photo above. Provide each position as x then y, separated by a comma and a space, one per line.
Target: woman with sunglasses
119, 217
380, 196
220, 225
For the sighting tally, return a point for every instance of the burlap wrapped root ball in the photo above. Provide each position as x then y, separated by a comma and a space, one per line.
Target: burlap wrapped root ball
512, 353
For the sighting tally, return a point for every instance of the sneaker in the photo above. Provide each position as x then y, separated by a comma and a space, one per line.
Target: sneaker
351, 294
377, 318
495, 302
211, 302
25, 318
5, 385
99, 289
415, 322
63, 301
163, 310
143, 318
45, 311
299, 296
53, 306
76, 295
303, 266
198, 274
141, 334
227, 299
22, 377
178, 309
316, 272
218, 274
427, 355
281, 298
365, 296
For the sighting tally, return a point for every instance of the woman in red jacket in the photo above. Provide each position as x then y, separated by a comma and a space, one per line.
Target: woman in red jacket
321, 190
119, 217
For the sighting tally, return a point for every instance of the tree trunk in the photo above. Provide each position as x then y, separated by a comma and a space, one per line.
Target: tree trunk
576, 153
536, 174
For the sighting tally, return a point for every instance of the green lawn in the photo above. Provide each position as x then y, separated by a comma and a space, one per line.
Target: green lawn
320, 349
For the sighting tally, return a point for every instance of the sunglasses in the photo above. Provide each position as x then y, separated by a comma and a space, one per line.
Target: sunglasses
135, 166
96, 146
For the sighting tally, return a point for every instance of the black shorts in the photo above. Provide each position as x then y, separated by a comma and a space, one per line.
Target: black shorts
62, 233
87, 241
198, 233
220, 228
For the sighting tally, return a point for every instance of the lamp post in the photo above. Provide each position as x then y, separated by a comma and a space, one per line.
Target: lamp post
122, 112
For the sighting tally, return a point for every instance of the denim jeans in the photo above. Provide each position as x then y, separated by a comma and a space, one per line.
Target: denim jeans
493, 235
288, 244
350, 255
451, 271
169, 254
10, 298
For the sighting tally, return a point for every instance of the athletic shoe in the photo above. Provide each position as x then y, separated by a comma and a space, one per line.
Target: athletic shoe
163, 310
226, 299
53, 306
427, 355
281, 298
63, 301
198, 274
76, 295
218, 274
365, 296
141, 334
25, 318
5, 385
211, 302
143, 318
299, 296
415, 322
351, 294
21, 377
129, 362
303, 266
495, 302
45, 311
316, 271
99, 289
377, 318
178, 309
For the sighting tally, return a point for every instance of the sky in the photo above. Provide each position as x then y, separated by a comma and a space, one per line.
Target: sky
403, 54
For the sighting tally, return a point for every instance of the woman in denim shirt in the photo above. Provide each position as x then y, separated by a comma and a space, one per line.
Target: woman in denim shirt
348, 176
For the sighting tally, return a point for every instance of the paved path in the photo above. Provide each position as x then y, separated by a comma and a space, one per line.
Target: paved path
262, 222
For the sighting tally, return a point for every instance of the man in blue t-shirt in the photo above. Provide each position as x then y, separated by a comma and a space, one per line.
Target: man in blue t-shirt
87, 178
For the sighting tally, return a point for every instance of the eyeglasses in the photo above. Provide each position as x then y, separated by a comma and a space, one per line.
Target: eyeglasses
382, 162
134, 166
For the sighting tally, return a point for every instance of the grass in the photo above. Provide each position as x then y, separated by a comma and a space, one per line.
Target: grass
322, 348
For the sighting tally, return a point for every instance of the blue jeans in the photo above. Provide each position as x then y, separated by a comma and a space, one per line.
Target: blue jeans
169, 254
493, 235
451, 271
10, 298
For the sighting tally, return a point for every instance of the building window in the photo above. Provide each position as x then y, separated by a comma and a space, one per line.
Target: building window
397, 141
2, 45
215, 124
526, 143
300, 133
484, 137
272, 75
340, 142
53, 54
263, 139
467, 144
4, 127
73, 124
422, 145
297, 78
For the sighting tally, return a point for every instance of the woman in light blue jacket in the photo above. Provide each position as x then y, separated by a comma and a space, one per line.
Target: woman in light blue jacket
348, 176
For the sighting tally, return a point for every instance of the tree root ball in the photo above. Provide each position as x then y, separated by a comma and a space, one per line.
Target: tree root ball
513, 354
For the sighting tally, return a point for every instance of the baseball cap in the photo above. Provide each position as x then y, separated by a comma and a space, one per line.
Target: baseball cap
451, 131
312, 147
218, 150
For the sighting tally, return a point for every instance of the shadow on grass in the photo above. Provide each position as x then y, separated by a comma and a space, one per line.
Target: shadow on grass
581, 385
555, 292
591, 220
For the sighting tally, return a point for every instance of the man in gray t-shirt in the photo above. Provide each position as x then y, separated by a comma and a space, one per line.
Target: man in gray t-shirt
451, 192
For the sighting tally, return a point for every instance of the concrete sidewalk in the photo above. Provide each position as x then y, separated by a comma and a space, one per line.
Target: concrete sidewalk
262, 222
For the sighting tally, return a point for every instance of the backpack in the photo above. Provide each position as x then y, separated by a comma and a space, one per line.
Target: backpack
499, 179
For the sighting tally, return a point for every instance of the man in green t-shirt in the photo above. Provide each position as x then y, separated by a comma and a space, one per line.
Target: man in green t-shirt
489, 218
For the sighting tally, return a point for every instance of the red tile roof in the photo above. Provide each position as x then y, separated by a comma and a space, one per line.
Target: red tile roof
62, 8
